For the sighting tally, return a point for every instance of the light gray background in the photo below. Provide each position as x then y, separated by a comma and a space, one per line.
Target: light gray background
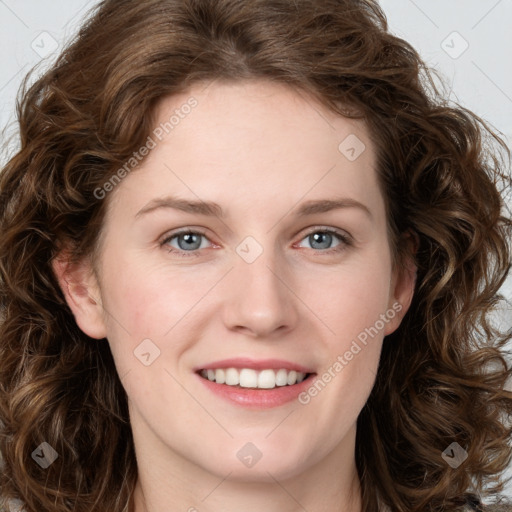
469, 41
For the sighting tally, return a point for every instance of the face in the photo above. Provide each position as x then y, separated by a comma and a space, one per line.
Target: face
252, 238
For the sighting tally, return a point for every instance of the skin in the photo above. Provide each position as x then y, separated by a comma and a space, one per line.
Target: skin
259, 150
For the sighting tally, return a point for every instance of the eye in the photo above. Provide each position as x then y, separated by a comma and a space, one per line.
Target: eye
185, 242
188, 242
322, 240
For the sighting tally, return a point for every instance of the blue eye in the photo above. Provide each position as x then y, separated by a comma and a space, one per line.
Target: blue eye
322, 240
188, 243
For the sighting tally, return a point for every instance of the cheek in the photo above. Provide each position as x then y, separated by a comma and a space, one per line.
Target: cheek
356, 311
152, 302
147, 299
351, 299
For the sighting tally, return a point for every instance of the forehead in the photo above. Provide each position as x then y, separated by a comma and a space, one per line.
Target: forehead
251, 141
255, 112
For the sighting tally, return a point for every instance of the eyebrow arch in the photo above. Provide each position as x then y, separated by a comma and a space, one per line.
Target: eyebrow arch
326, 205
209, 208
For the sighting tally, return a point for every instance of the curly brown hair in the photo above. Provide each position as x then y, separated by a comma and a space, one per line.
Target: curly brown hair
442, 374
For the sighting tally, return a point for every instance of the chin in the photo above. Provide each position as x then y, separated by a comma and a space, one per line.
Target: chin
260, 461
263, 472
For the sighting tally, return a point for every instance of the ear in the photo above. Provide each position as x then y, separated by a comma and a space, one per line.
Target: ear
403, 282
80, 287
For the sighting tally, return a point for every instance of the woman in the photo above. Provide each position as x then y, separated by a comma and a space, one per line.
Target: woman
255, 370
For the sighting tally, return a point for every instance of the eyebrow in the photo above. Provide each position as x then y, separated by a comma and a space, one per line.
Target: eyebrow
209, 208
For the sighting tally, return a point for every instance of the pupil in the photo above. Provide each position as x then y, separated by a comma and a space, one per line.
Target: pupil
189, 238
318, 237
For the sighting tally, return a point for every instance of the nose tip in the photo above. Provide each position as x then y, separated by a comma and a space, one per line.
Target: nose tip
259, 303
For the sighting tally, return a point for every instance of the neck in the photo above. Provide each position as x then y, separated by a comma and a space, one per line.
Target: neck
174, 483
279, 496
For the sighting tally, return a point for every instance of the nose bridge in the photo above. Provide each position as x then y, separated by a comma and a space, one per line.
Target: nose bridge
259, 300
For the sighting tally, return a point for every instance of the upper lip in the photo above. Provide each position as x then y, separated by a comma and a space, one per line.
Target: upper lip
261, 364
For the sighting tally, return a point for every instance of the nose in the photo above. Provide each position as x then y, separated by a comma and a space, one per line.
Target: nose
259, 298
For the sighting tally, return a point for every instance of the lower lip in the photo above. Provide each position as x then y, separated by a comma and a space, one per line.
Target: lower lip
258, 398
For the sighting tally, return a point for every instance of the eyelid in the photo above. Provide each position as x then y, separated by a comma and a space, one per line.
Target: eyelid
181, 231
328, 229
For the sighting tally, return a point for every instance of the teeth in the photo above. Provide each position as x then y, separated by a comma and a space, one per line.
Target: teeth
281, 378
232, 377
249, 378
292, 377
220, 376
267, 379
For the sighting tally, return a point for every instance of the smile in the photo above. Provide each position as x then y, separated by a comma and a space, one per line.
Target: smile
249, 378
255, 383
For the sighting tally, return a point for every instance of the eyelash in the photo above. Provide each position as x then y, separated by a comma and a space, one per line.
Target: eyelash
343, 238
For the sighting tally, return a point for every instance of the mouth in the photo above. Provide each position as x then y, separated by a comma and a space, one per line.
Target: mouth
255, 384
249, 378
